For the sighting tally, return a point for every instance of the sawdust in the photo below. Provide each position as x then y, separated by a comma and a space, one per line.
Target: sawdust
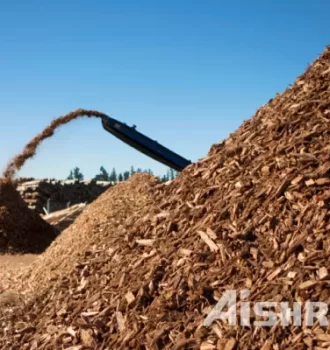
253, 214
30, 149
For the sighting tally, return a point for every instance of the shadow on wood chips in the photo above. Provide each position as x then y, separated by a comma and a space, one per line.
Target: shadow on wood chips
21, 229
254, 214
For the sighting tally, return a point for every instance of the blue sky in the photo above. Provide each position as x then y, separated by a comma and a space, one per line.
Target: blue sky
187, 73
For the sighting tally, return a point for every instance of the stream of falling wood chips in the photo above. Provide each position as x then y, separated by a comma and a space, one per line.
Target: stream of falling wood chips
30, 149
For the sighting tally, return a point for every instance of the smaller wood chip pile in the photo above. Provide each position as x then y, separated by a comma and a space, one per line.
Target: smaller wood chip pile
37, 193
99, 221
254, 214
62, 219
21, 229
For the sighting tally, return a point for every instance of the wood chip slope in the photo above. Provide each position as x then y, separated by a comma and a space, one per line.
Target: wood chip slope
98, 222
253, 214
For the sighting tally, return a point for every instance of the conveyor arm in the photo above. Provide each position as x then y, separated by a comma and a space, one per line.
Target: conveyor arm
144, 144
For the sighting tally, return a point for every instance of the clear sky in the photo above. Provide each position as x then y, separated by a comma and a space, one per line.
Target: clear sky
187, 73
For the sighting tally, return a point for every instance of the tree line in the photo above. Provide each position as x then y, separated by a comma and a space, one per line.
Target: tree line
113, 176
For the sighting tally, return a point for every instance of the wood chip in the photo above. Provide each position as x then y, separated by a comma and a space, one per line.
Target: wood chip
145, 242
308, 284
121, 322
231, 344
213, 247
130, 298
323, 273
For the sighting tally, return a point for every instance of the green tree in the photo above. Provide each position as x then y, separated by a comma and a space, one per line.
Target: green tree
120, 177
172, 174
139, 170
113, 175
126, 175
103, 175
70, 177
77, 174
132, 170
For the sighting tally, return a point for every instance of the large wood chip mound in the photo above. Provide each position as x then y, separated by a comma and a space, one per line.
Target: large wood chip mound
254, 214
21, 229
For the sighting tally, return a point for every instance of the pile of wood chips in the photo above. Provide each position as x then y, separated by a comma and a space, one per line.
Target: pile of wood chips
254, 214
98, 222
21, 229
36, 194
62, 219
